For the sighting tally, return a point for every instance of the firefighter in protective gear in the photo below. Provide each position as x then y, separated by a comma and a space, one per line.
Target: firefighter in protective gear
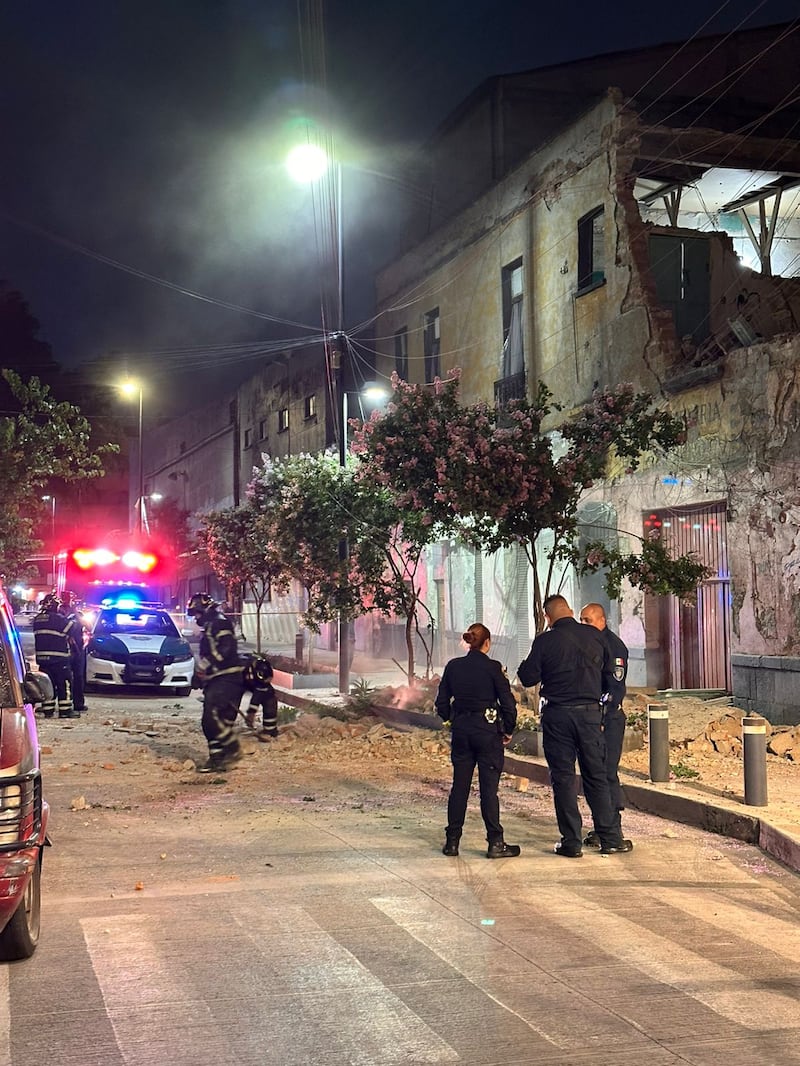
77, 638
51, 634
219, 673
258, 681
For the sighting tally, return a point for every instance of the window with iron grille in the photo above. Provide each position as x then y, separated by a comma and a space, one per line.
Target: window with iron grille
248, 438
283, 419
513, 352
262, 429
432, 345
310, 407
401, 353
591, 250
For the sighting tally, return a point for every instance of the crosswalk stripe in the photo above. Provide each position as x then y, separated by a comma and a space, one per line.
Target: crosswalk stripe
137, 984
300, 957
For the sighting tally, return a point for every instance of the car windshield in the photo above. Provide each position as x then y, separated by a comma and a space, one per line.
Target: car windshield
148, 623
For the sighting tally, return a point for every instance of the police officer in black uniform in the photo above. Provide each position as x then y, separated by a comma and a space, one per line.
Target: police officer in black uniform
572, 664
474, 694
593, 614
51, 631
219, 673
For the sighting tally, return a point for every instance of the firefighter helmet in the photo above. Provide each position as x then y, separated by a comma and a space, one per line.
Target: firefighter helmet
51, 602
257, 671
201, 606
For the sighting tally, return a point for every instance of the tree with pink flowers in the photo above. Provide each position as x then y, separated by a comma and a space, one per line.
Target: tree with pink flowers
497, 477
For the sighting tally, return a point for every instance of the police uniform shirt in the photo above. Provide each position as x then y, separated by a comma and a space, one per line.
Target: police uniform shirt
473, 683
571, 661
619, 666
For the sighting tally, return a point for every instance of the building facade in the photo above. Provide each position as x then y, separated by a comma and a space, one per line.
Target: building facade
632, 218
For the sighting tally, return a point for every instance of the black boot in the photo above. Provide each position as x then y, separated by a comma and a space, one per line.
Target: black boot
498, 849
451, 843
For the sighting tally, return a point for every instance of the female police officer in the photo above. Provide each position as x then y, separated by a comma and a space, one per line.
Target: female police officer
474, 694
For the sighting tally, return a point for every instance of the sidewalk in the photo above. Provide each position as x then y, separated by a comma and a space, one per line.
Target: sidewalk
679, 801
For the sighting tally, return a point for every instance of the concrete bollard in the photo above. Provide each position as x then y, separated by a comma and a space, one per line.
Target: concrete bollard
658, 733
754, 756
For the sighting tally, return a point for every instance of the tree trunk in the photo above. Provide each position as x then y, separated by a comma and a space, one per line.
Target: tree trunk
410, 645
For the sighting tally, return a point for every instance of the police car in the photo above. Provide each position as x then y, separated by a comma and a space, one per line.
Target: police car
136, 643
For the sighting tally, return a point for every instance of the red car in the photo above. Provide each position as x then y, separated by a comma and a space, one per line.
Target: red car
23, 810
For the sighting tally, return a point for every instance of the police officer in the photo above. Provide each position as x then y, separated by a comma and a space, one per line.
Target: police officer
219, 673
475, 695
572, 664
51, 638
593, 614
77, 645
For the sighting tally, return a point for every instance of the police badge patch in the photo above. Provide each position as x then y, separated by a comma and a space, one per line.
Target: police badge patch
619, 669
490, 714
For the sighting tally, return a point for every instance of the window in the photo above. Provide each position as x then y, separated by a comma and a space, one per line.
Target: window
513, 360
262, 429
591, 250
432, 345
248, 438
283, 419
310, 407
401, 353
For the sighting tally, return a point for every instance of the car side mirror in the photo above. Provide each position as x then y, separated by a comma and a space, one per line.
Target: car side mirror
35, 686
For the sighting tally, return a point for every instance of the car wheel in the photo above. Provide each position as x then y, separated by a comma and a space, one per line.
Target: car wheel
185, 691
19, 938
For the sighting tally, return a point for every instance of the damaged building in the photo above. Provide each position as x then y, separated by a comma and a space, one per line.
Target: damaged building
631, 218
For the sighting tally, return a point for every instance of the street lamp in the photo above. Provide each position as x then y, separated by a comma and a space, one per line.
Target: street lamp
308, 163
131, 388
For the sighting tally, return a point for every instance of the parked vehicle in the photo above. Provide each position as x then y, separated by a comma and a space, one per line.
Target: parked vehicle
137, 643
23, 810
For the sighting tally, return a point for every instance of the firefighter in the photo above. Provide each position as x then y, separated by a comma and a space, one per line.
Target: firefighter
77, 637
258, 680
51, 634
219, 674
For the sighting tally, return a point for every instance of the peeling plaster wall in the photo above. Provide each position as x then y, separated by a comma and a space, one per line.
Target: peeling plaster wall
743, 449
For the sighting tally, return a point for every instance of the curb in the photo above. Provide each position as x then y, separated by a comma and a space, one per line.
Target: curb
665, 803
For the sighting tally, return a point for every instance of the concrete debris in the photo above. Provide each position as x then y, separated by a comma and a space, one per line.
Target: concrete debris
724, 735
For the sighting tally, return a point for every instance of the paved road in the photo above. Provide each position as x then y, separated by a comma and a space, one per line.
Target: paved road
308, 932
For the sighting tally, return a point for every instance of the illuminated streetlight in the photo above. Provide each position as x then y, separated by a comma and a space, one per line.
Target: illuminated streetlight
307, 162
131, 388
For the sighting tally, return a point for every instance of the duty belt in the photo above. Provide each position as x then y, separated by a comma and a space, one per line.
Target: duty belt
575, 706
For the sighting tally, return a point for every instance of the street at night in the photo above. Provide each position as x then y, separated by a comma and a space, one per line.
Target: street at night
400, 534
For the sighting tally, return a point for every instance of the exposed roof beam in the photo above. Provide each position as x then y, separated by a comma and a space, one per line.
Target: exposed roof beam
775, 188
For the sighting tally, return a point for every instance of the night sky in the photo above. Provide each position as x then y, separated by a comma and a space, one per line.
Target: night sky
153, 134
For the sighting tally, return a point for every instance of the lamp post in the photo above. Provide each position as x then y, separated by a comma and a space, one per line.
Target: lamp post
130, 388
50, 498
52, 501
307, 163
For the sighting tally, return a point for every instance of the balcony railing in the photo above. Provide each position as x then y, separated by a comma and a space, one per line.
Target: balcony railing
510, 388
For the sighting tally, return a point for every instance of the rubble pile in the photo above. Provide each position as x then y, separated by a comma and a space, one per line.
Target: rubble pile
724, 735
